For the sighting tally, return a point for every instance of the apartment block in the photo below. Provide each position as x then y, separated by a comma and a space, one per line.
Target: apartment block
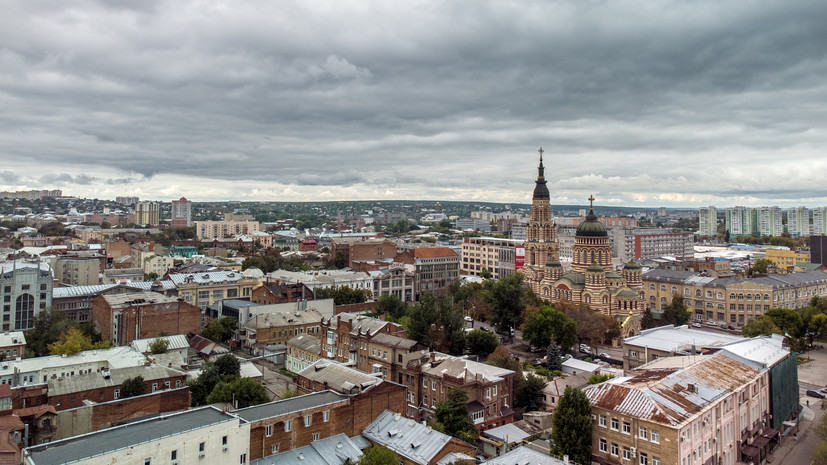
787, 260
741, 221
820, 221
148, 213
207, 288
770, 221
70, 271
225, 229
708, 222
798, 222
181, 213
26, 289
653, 243
435, 268
499, 256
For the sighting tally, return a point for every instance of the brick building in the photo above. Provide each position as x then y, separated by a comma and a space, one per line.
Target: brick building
435, 268
362, 248
302, 351
273, 292
206, 288
12, 344
265, 329
295, 422
126, 317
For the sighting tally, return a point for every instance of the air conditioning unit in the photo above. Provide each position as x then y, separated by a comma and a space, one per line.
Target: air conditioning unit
594, 417
632, 451
225, 448
201, 455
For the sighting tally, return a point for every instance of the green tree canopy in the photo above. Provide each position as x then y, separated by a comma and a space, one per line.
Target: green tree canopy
243, 391
74, 341
391, 305
529, 393
438, 324
787, 320
453, 415
228, 365
545, 323
343, 295
508, 302
132, 387
572, 426
761, 326
220, 330
676, 312
159, 345
378, 455
554, 361
481, 342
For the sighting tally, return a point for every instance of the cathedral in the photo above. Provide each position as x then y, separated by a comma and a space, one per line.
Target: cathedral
592, 279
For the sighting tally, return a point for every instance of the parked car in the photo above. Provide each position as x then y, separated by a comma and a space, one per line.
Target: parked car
816, 394
483, 328
696, 325
711, 323
605, 355
731, 327
469, 319
585, 349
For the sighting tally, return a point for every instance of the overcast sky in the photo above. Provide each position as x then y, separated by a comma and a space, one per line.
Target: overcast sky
642, 103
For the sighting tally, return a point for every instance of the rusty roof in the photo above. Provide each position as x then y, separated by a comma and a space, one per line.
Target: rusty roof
672, 396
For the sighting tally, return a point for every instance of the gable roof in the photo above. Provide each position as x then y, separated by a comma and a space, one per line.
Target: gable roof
434, 252
406, 437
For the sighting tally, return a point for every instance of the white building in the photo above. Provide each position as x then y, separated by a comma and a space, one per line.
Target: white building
26, 289
497, 255
202, 435
325, 279
708, 222
39, 370
740, 221
181, 213
820, 221
770, 221
798, 221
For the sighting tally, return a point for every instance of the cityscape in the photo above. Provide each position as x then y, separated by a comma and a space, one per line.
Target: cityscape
425, 233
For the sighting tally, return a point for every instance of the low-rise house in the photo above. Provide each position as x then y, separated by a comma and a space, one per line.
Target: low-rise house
273, 292
574, 366
525, 455
202, 435
335, 450
265, 329
302, 350
668, 341
715, 410
414, 442
555, 388
12, 344
497, 441
332, 375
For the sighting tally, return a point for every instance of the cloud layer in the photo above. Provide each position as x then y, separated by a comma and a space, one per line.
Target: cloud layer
639, 102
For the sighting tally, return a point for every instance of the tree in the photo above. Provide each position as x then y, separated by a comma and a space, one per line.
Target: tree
159, 345
486, 274
529, 393
553, 360
391, 305
818, 325
343, 295
438, 324
287, 393
787, 320
132, 387
378, 455
74, 341
544, 324
761, 326
242, 392
648, 321
501, 357
202, 386
760, 266
596, 378
508, 301
220, 330
453, 415
481, 342
676, 313
228, 365
48, 327
572, 426
151, 276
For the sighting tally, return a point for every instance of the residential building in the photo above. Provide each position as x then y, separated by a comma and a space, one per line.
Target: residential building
351, 249
333, 450
296, 422
732, 300
389, 278
207, 288
554, 389
73, 271
12, 344
203, 434
265, 329
820, 221
336, 376
302, 351
368, 344
123, 318
181, 213
715, 410
798, 221
472, 224
741, 221
653, 243
525, 454
519, 231
497, 441
499, 256
323, 279
429, 377
76, 302
818, 249
435, 268
787, 260
224, 229
148, 213
770, 221
414, 442
670, 341
26, 290
127, 200
272, 292
708, 222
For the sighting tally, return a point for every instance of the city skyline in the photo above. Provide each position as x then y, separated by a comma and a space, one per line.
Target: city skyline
643, 105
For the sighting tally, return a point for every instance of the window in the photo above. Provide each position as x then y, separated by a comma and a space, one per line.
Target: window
243, 459
202, 447
288, 426
147, 461
117, 393
326, 416
655, 460
626, 453
154, 387
433, 385
224, 441
627, 427
615, 423
654, 436
173, 455
316, 436
644, 459
641, 432
307, 420
425, 383
614, 449
268, 431
274, 449
603, 446
602, 420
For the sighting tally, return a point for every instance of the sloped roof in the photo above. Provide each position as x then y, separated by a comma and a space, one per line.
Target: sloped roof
524, 455
672, 396
765, 350
333, 450
406, 437
338, 377
306, 342
462, 368
434, 252
175, 342
390, 340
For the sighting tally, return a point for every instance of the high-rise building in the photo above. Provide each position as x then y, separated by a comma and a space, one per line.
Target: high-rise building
26, 289
147, 213
798, 221
818, 249
820, 221
181, 213
770, 221
127, 200
741, 221
708, 222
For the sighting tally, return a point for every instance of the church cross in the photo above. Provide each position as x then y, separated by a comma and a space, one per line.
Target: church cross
591, 201
541, 153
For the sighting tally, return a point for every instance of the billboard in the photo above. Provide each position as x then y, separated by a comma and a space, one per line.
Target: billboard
520, 258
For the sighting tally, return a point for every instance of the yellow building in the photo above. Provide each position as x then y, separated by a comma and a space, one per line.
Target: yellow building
786, 260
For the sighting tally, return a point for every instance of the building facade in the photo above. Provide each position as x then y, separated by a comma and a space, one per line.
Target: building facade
122, 318
181, 213
708, 222
820, 221
497, 255
770, 221
70, 271
148, 213
26, 290
435, 268
741, 221
225, 229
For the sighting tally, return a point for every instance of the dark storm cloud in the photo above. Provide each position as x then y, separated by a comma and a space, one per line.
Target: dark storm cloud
673, 102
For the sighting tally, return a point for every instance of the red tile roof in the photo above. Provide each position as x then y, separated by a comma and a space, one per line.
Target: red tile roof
434, 252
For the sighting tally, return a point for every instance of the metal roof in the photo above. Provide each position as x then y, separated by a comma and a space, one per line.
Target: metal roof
291, 405
508, 432
524, 455
306, 342
176, 342
205, 277
682, 338
406, 437
338, 377
333, 450
78, 291
468, 370
125, 436
765, 350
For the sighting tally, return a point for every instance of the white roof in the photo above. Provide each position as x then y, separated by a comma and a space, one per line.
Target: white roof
507, 432
206, 277
118, 357
248, 370
77, 291
11, 266
406, 437
669, 338
581, 365
524, 455
176, 342
766, 350
12, 338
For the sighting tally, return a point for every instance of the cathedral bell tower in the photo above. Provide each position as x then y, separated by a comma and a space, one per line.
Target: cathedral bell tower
541, 245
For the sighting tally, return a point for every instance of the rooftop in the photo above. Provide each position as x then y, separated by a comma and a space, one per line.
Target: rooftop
291, 405
286, 318
338, 377
524, 455
125, 436
176, 342
680, 339
765, 350
468, 370
306, 342
137, 298
406, 437
434, 252
206, 277
116, 357
11, 338
333, 450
